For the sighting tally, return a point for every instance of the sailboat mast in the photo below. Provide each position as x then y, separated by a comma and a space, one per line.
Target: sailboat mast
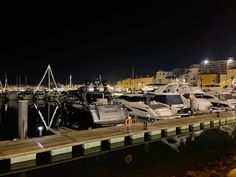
70, 80
49, 71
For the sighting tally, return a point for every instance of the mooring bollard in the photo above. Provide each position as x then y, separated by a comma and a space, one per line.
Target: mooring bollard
191, 106
218, 114
210, 111
128, 122
22, 119
145, 125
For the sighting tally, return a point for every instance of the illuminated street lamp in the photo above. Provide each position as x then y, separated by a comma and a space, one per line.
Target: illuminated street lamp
205, 62
230, 60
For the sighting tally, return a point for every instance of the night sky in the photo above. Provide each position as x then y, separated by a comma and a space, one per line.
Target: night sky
86, 40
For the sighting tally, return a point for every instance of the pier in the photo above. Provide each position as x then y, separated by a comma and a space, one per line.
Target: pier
69, 144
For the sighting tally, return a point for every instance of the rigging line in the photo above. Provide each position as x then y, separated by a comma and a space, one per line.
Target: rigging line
41, 116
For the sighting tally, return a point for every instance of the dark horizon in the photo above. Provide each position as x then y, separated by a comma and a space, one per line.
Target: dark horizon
111, 39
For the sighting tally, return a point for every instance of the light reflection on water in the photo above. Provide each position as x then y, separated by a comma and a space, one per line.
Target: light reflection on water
9, 118
154, 159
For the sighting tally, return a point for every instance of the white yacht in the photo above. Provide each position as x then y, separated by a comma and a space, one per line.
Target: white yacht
174, 100
200, 104
151, 87
163, 111
225, 97
136, 106
182, 91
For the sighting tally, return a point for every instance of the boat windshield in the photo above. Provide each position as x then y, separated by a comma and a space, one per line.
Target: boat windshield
169, 99
132, 98
158, 106
92, 97
226, 96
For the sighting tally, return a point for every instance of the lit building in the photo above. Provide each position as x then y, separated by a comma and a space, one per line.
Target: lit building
231, 76
162, 77
208, 79
211, 79
123, 85
178, 72
134, 84
191, 75
217, 66
217, 72
140, 82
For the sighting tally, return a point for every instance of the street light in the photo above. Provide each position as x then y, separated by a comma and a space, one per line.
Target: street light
205, 62
230, 60
205, 65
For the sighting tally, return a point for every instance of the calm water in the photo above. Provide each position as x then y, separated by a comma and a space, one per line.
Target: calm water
154, 159
9, 118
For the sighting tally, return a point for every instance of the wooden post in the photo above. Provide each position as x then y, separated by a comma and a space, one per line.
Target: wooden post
22, 118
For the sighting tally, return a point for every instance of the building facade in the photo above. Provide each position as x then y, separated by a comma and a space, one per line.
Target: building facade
217, 66
231, 76
162, 77
211, 79
191, 75
134, 84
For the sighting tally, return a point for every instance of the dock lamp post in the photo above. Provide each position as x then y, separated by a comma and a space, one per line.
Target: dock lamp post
40, 128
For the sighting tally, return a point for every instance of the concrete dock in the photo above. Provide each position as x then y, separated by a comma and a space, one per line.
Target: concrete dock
62, 145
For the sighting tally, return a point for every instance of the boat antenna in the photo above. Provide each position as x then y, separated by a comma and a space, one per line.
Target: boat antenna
100, 78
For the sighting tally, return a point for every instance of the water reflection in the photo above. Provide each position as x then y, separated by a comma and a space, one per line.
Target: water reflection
163, 158
9, 118
155, 158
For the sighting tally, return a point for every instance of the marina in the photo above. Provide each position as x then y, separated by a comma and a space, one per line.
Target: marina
52, 127
118, 90
65, 145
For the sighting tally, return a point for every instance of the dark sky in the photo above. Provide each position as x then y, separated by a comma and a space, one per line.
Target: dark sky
86, 40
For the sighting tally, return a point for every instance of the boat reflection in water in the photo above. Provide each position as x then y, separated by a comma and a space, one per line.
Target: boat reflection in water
9, 118
161, 158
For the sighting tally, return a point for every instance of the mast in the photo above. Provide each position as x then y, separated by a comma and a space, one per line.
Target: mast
49, 90
5, 86
50, 74
132, 79
70, 80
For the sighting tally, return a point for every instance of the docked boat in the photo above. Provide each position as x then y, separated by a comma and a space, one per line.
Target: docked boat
12, 95
52, 95
26, 95
135, 104
39, 95
92, 105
